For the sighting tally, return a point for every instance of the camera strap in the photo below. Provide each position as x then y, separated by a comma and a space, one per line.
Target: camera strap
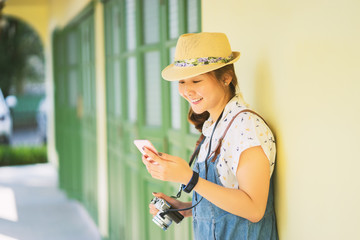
197, 150
194, 157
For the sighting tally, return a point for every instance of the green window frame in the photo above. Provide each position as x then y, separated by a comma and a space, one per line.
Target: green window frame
140, 38
75, 109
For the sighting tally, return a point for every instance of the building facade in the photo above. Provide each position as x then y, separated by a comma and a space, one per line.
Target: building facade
299, 68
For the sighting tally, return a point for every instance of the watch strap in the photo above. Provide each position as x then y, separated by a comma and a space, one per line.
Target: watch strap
192, 183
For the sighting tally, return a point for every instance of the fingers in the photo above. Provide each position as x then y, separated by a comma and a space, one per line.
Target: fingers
165, 156
152, 209
172, 201
163, 196
153, 170
153, 156
163, 166
146, 162
149, 163
160, 195
161, 158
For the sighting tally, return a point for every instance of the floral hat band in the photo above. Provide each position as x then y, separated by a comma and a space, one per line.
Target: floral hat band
202, 61
199, 53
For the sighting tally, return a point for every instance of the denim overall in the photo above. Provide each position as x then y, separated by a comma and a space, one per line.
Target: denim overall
211, 222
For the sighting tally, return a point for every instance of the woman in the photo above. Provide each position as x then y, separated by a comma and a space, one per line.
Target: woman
231, 179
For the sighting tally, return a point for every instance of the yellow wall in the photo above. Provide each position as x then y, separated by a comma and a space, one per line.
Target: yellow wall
300, 68
35, 13
101, 120
62, 12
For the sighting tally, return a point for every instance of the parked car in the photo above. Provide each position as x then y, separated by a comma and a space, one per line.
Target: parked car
41, 119
6, 123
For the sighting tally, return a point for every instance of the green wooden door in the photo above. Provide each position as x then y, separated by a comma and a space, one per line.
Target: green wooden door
140, 36
75, 109
68, 124
60, 102
115, 126
87, 114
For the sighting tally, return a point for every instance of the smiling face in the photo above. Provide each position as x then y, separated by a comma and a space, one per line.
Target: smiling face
206, 93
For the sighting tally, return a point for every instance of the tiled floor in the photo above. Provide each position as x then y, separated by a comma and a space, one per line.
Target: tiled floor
33, 208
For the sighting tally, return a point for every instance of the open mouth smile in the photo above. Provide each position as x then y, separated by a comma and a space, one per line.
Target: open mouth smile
196, 101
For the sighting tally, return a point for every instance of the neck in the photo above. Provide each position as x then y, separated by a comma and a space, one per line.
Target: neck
216, 112
215, 116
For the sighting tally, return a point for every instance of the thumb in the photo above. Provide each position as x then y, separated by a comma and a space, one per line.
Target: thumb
173, 202
163, 196
159, 195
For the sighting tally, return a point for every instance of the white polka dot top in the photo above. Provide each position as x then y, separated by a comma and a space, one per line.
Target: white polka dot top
247, 130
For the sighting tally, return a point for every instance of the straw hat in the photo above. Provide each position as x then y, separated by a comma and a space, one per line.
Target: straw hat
198, 53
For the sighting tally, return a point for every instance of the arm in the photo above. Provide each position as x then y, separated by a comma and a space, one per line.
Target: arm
153, 168
253, 175
174, 203
249, 201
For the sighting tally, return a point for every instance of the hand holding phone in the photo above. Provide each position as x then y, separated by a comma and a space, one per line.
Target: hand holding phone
145, 143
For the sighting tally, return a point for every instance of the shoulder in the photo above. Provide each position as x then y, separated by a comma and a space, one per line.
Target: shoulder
248, 126
250, 130
243, 131
246, 120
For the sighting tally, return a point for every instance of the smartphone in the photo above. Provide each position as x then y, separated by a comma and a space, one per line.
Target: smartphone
145, 143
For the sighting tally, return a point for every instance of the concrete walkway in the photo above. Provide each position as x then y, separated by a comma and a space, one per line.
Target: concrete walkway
33, 208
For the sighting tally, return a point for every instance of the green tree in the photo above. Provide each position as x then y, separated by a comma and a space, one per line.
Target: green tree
21, 55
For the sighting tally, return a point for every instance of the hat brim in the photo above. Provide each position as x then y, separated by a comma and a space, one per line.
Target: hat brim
174, 73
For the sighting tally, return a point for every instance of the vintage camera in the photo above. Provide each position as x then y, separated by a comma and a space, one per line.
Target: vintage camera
166, 214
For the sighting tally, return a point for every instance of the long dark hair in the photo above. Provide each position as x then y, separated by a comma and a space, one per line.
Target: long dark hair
199, 119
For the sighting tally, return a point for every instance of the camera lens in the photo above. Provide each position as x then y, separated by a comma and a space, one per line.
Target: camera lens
163, 222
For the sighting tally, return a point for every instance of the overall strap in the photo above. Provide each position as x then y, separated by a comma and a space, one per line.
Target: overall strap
197, 149
218, 148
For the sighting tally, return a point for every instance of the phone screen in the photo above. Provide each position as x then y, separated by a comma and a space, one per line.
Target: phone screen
145, 143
